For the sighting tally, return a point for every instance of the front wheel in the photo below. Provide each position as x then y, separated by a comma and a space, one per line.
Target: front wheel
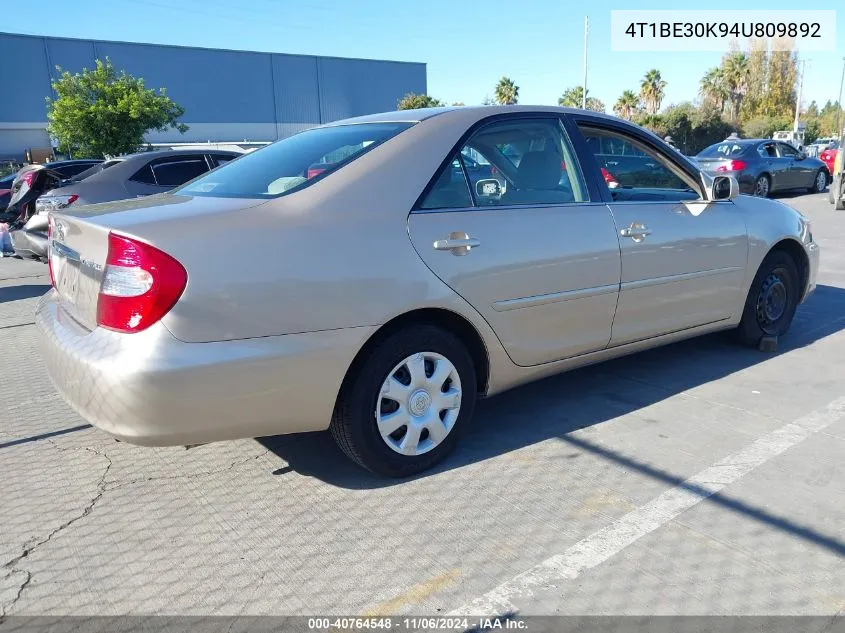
819, 182
407, 403
762, 186
772, 299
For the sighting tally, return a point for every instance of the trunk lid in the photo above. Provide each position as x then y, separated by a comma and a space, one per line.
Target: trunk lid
79, 243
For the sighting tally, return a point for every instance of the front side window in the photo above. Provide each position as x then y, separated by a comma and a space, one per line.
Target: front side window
511, 162
293, 163
787, 151
636, 171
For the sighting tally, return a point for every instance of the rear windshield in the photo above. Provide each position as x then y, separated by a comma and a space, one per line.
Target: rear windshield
292, 163
96, 169
728, 148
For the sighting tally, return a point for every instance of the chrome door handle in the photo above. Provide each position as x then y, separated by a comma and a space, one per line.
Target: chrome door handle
458, 243
636, 232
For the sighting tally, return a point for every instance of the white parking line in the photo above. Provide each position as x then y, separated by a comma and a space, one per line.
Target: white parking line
600, 546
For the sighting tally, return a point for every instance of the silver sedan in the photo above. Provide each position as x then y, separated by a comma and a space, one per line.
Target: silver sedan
383, 285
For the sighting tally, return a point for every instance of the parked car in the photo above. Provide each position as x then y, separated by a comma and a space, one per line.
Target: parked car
828, 155
764, 166
132, 176
836, 192
381, 297
6, 190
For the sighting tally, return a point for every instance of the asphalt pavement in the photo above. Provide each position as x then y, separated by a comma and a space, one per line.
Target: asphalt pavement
700, 478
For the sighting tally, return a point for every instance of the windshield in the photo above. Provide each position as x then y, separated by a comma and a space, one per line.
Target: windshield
292, 163
723, 150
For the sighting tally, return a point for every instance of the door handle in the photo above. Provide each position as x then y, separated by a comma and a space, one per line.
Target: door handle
459, 243
636, 232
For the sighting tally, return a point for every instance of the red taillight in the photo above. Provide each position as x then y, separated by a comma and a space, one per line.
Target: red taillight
50, 250
313, 172
734, 165
140, 285
608, 177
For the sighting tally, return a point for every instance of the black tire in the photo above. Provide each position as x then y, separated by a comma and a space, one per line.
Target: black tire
777, 268
816, 188
762, 186
354, 425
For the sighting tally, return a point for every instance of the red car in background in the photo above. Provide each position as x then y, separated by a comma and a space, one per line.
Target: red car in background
828, 156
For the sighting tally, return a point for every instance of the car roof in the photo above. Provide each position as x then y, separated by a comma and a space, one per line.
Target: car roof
481, 111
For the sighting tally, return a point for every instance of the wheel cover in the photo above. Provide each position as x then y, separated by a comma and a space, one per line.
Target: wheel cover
772, 301
821, 181
762, 186
419, 403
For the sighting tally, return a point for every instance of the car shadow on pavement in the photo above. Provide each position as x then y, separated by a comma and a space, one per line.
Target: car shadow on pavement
640, 380
24, 291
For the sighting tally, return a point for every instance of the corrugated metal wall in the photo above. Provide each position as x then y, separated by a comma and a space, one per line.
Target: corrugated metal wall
227, 95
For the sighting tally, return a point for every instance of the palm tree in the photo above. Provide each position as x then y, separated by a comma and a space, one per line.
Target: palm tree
507, 92
627, 105
735, 74
651, 90
573, 98
712, 88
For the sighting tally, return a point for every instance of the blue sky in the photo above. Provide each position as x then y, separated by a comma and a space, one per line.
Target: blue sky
467, 44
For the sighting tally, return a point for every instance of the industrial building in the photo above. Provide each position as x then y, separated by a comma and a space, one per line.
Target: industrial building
227, 95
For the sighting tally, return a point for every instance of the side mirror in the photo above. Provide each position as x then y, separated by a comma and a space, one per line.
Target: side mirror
490, 188
801, 156
725, 188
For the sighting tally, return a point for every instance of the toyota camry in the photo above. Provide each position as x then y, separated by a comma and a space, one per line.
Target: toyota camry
380, 295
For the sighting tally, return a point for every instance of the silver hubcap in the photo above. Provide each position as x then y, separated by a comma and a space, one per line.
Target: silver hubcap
762, 187
419, 403
821, 181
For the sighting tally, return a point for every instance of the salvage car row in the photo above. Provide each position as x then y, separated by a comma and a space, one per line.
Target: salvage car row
38, 189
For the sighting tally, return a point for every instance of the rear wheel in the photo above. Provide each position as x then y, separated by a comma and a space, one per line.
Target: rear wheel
762, 186
772, 299
819, 182
407, 403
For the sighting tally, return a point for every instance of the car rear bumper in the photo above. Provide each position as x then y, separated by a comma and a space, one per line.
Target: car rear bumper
29, 243
150, 388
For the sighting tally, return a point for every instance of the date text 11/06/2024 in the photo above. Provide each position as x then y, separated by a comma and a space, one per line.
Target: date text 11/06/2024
724, 29
417, 624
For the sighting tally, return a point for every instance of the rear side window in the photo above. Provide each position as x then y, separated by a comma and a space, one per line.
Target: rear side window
144, 175
175, 173
293, 163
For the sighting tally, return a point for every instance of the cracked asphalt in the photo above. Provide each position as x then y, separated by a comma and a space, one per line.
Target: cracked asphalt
288, 526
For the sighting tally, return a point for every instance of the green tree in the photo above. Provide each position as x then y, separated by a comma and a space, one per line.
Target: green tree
458, 103
627, 105
105, 112
652, 90
758, 60
734, 72
573, 97
781, 78
712, 88
413, 101
765, 126
507, 92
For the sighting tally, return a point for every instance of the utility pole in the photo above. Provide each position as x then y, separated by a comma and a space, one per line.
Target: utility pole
839, 111
798, 103
586, 32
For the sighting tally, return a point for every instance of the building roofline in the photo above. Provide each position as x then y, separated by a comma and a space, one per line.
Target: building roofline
206, 48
